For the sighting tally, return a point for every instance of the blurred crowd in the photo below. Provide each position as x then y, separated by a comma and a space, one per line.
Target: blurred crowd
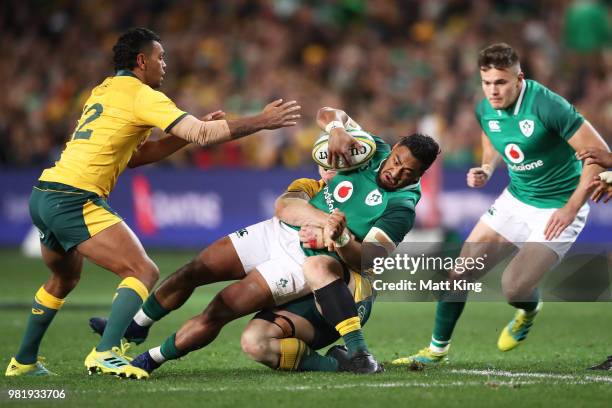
396, 66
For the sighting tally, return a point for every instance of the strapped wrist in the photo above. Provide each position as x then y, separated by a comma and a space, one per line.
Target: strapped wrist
335, 124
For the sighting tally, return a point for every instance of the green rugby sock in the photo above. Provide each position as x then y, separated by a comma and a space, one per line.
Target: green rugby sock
127, 301
447, 315
354, 342
313, 361
44, 309
169, 351
153, 309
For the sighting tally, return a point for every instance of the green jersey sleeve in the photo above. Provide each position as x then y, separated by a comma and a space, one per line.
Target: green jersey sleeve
557, 114
398, 219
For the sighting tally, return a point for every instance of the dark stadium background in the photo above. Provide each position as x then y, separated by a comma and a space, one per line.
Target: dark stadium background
395, 66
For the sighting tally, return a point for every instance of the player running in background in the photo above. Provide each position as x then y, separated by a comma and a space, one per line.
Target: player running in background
68, 204
543, 209
379, 201
603, 185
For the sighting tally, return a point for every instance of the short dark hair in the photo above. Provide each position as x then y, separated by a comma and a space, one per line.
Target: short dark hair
130, 44
423, 147
498, 56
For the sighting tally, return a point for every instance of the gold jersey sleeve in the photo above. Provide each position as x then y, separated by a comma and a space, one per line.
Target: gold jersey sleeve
118, 117
306, 185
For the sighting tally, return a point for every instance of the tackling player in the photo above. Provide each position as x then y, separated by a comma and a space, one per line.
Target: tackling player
287, 337
68, 204
379, 201
543, 209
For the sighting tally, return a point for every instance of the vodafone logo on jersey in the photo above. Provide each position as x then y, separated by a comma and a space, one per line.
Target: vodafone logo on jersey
514, 153
343, 191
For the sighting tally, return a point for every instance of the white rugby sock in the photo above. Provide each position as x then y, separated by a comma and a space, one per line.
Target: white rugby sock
142, 319
157, 355
438, 346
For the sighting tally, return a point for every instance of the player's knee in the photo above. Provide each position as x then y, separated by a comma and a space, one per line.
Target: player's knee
144, 270
253, 344
515, 293
318, 271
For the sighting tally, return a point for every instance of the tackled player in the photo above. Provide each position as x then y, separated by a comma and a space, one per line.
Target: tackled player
379, 200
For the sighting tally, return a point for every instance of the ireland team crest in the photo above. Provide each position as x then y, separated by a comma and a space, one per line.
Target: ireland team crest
374, 198
526, 127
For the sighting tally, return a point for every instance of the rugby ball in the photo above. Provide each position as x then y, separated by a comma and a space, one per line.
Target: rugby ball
359, 155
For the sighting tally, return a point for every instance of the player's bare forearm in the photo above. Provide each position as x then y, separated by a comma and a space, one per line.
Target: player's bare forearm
327, 115
245, 126
275, 115
585, 137
490, 156
584, 189
153, 151
298, 212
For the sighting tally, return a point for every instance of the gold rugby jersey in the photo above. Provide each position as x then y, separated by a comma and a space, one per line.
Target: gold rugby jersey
118, 117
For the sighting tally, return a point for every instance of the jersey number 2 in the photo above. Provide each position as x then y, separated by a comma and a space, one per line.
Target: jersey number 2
86, 134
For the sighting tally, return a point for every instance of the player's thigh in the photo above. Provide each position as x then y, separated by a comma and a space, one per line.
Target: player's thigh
257, 243
526, 269
117, 249
486, 245
216, 263
66, 265
246, 296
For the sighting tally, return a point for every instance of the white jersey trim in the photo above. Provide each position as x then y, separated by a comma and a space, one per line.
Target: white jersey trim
520, 98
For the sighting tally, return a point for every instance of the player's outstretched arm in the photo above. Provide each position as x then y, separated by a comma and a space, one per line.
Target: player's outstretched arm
585, 137
479, 176
275, 115
156, 150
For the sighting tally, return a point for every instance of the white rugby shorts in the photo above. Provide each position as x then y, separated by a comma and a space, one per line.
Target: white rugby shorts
519, 222
274, 250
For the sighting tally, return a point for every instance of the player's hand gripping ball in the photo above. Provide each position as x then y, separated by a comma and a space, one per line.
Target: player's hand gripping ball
362, 151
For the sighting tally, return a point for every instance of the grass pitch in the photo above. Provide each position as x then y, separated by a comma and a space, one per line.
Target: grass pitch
547, 370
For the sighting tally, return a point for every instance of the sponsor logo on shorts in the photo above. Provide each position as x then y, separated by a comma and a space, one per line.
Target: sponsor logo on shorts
374, 198
242, 232
282, 283
527, 127
492, 210
41, 234
343, 191
37, 311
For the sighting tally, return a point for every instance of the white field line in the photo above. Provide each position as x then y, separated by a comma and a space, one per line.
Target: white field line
538, 378
570, 378
400, 384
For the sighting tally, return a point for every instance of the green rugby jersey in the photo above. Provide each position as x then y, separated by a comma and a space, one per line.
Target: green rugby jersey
368, 205
531, 135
